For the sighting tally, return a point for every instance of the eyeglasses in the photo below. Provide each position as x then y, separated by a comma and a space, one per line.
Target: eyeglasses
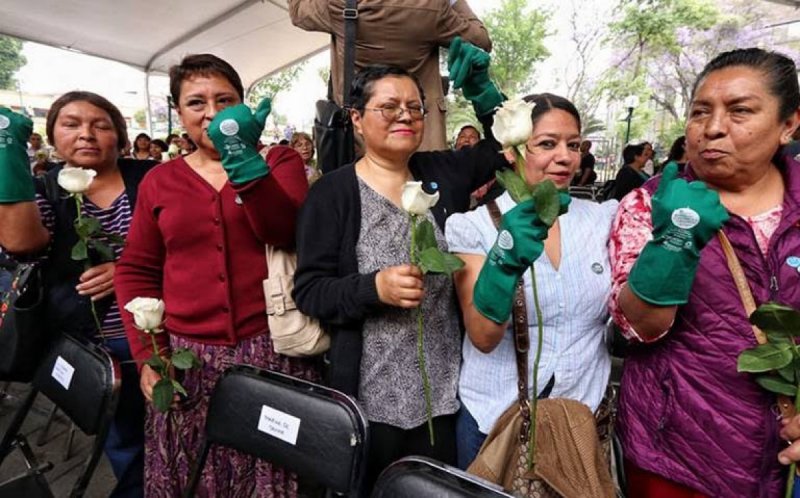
393, 112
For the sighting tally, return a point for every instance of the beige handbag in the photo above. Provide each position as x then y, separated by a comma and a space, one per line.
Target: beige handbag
293, 333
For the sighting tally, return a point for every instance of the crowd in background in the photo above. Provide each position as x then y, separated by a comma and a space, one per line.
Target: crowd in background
652, 252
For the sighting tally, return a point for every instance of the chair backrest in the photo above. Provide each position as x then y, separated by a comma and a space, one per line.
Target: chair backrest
413, 477
317, 432
582, 193
81, 379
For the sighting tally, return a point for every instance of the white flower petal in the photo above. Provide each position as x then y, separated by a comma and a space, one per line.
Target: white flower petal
76, 180
512, 123
148, 313
415, 200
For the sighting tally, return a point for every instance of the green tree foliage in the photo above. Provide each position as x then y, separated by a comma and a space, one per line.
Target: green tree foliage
11, 59
517, 32
140, 118
586, 30
272, 85
661, 46
646, 32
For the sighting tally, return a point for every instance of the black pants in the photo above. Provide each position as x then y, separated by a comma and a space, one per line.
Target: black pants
388, 444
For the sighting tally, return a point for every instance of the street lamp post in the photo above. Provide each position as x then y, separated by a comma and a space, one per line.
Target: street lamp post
630, 103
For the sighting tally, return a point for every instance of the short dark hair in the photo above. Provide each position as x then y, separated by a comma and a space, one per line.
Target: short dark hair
546, 102
189, 141
363, 83
780, 71
469, 126
630, 152
162, 144
677, 149
96, 100
202, 65
140, 135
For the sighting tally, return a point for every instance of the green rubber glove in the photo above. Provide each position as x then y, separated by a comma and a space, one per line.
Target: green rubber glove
469, 70
235, 132
685, 217
15, 167
519, 243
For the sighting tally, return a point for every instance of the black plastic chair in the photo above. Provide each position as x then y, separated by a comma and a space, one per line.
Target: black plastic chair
418, 477
314, 431
83, 381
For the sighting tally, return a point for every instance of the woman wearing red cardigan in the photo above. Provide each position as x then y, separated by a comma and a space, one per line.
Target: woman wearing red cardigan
197, 242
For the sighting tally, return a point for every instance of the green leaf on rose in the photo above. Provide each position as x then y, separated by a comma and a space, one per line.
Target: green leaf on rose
789, 371
779, 337
113, 238
425, 237
184, 359
79, 251
156, 362
103, 250
517, 188
163, 393
432, 260
87, 226
178, 387
546, 200
764, 358
776, 384
774, 317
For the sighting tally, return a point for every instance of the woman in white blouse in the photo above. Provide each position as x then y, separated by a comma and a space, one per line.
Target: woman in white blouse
573, 279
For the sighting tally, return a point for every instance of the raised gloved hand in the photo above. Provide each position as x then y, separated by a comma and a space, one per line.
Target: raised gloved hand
16, 183
235, 132
469, 70
519, 243
685, 217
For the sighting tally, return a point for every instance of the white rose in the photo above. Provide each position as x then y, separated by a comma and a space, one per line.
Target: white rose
76, 180
512, 123
148, 313
415, 200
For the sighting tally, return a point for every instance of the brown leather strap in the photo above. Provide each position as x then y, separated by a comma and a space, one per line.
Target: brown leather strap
785, 404
494, 212
522, 341
741, 284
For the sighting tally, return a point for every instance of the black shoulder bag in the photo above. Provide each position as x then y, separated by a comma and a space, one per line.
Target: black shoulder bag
24, 335
333, 131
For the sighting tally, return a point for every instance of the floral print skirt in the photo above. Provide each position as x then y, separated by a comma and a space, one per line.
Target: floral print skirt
173, 440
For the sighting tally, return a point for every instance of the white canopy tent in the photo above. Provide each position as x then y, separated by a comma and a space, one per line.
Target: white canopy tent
255, 36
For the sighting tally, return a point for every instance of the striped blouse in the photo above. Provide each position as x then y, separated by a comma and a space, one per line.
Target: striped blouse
114, 219
574, 302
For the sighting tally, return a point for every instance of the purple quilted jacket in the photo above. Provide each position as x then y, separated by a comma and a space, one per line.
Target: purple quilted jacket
685, 412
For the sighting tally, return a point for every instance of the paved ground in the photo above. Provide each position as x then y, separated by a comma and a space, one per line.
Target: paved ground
64, 472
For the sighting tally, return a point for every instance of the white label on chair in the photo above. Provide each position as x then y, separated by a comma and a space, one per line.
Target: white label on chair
62, 372
279, 424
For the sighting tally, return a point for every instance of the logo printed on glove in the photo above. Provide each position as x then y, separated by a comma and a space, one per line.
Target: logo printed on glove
4, 122
505, 240
686, 218
229, 127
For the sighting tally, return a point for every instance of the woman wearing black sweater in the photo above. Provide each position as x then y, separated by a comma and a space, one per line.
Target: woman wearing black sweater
353, 271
